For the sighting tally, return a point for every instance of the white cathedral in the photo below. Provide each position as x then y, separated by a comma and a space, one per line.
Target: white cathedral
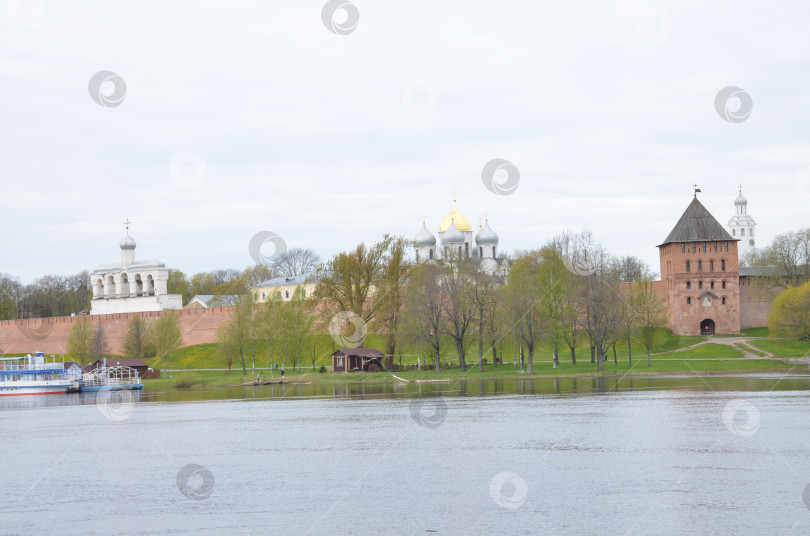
456, 240
131, 286
741, 226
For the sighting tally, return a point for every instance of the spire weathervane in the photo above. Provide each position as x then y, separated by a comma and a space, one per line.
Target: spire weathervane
739, 188
454, 194
127, 222
696, 190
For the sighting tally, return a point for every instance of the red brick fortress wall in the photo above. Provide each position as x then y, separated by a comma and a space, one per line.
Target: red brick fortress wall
50, 335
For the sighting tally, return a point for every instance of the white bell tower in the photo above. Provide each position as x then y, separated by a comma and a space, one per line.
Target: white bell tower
742, 225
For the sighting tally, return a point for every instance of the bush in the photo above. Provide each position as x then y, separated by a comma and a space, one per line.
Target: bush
322, 369
186, 380
374, 368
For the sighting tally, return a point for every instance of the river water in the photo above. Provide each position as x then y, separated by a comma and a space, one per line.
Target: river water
721, 455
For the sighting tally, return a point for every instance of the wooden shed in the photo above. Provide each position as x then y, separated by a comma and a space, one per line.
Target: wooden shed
356, 359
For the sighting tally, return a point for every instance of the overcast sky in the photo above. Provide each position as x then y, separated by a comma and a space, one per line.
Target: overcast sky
241, 117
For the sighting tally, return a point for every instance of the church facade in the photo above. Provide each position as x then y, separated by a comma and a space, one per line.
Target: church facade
456, 240
131, 286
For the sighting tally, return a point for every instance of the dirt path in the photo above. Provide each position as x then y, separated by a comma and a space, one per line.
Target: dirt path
740, 343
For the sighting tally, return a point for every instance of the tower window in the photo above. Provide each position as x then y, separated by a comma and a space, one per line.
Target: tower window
688, 267
704, 247
723, 265
742, 232
431, 254
688, 285
715, 247
726, 246
700, 266
688, 301
724, 300
493, 252
724, 284
711, 266
694, 247
481, 252
700, 285
683, 247
711, 285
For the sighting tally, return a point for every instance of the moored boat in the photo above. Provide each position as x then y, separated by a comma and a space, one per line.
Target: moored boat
32, 375
108, 379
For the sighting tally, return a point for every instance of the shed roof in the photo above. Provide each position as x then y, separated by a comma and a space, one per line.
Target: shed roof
359, 352
697, 225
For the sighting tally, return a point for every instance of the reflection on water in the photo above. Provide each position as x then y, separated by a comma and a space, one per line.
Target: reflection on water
665, 456
457, 388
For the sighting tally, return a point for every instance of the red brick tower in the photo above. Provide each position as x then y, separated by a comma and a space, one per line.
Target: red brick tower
700, 269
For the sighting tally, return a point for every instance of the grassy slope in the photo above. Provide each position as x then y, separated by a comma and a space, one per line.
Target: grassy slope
783, 347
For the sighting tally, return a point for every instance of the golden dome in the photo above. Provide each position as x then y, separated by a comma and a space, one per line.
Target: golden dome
456, 216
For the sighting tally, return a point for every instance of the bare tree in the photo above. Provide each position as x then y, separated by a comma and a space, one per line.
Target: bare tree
424, 308
459, 311
648, 310
297, 261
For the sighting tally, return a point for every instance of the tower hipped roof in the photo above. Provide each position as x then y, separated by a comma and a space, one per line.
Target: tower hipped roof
697, 225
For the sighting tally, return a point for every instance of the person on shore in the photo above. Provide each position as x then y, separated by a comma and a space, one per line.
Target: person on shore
258, 377
282, 371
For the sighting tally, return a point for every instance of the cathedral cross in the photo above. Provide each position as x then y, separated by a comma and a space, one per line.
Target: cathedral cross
127, 222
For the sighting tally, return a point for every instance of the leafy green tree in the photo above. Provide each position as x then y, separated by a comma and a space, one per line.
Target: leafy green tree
135, 339
166, 336
80, 340
790, 314
458, 281
237, 337
423, 310
648, 310
348, 281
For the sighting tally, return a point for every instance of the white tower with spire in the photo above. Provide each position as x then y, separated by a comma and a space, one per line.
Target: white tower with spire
742, 225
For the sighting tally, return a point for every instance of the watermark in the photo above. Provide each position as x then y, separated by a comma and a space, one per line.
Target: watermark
806, 496
420, 96
344, 339
429, 412
340, 16
508, 490
506, 187
107, 89
732, 417
187, 169
653, 24
739, 113
259, 241
28, 13
803, 183
195, 482
35, 329
115, 405
582, 261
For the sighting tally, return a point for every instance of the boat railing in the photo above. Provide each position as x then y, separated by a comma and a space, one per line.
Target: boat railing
32, 366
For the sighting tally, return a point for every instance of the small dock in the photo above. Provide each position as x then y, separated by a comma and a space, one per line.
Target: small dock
263, 383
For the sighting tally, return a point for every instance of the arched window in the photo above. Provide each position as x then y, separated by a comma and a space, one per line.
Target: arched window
724, 300
734, 232
711, 284
264, 296
417, 255
688, 267
683, 247
466, 250
700, 285
688, 301
700, 266
480, 252
287, 294
493, 252
431, 253
723, 265
711, 266
742, 232
724, 284
279, 294
688, 285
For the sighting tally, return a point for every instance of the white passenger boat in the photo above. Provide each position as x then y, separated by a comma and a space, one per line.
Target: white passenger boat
32, 375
